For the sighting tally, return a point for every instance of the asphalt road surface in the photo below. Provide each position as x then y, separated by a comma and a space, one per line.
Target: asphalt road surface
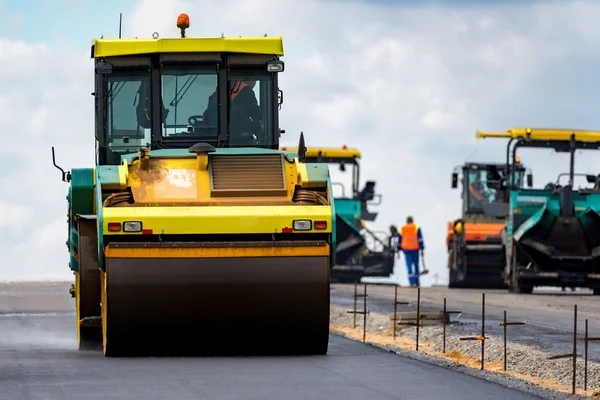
548, 314
39, 360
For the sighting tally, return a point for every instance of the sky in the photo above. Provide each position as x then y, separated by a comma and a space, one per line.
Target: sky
408, 83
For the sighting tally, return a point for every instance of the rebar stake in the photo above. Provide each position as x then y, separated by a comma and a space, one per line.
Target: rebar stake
355, 296
364, 312
418, 315
505, 324
587, 339
396, 302
445, 314
482, 329
574, 353
482, 337
586, 357
574, 347
444, 318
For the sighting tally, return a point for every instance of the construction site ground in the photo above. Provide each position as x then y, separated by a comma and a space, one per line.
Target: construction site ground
39, 360
548, 331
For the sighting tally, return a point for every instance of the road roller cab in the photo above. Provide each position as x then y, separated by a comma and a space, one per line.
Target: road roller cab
194, 228
476, 255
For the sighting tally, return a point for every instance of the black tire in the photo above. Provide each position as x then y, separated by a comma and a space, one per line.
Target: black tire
516, 286
453, 281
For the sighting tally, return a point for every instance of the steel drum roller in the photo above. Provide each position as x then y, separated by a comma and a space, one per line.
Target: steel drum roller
216, 306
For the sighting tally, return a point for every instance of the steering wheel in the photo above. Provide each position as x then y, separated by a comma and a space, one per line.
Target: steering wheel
195, 120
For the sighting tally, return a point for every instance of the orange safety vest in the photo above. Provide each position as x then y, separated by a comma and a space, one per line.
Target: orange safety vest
410, 240
236, 88
475, 193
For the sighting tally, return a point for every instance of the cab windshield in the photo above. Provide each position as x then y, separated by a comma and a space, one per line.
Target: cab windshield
186, 96
128, 114
251, 109
191, 106
488, 185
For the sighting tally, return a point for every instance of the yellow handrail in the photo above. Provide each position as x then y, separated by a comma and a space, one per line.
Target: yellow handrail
551, 134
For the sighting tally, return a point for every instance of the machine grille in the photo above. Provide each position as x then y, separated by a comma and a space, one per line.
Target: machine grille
259, 175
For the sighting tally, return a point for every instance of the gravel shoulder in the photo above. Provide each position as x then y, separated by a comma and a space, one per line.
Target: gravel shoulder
528, 369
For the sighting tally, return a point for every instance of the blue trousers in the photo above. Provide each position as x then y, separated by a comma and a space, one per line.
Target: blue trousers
412, 258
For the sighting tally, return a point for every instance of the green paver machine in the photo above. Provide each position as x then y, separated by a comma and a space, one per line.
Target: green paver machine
552, 236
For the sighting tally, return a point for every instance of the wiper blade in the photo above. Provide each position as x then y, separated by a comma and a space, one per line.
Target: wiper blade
184, 89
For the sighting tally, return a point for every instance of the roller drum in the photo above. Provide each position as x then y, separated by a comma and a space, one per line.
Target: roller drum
216, 306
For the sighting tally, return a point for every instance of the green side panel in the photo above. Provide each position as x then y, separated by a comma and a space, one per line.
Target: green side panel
100, 220
590, 216
333, 246
108, 175
81, 201
530, 223
349, 209
317, 172
543, 207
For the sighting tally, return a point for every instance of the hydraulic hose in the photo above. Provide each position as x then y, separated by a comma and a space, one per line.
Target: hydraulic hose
305, 196
116, 198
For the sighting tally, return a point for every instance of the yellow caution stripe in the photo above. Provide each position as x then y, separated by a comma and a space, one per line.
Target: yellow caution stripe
214, 219
213, 250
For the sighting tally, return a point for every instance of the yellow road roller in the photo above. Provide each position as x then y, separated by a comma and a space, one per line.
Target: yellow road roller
194, 234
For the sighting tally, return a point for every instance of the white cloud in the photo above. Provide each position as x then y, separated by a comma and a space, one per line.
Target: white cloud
408, 86
44, 102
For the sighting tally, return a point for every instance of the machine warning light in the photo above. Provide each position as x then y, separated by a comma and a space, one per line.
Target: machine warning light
183, 22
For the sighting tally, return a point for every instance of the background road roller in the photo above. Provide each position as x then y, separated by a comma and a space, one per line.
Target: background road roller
552, 235
476, 254
194, 234
360, 251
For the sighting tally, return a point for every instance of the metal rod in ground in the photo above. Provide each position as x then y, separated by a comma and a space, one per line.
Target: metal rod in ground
482, 329
364, 312
444, 318
505, 324
574, 347
445, 315
396, 302
418, 315
365, 315
586, 357
504, 340
395, 309
355, 297
587, 339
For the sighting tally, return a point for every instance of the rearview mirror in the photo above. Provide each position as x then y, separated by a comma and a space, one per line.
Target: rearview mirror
591, 178
454, 180
530, 180
343, 167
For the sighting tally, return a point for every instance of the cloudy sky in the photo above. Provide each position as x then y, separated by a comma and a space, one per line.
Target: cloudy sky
407, 82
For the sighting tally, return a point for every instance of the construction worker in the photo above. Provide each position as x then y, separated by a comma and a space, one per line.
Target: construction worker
476, 190
245, 113
410, 241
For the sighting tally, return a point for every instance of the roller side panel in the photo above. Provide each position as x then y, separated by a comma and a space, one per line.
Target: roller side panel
88, 286
80, 200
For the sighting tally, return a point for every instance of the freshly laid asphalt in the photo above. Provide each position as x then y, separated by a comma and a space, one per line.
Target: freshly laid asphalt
39, 360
